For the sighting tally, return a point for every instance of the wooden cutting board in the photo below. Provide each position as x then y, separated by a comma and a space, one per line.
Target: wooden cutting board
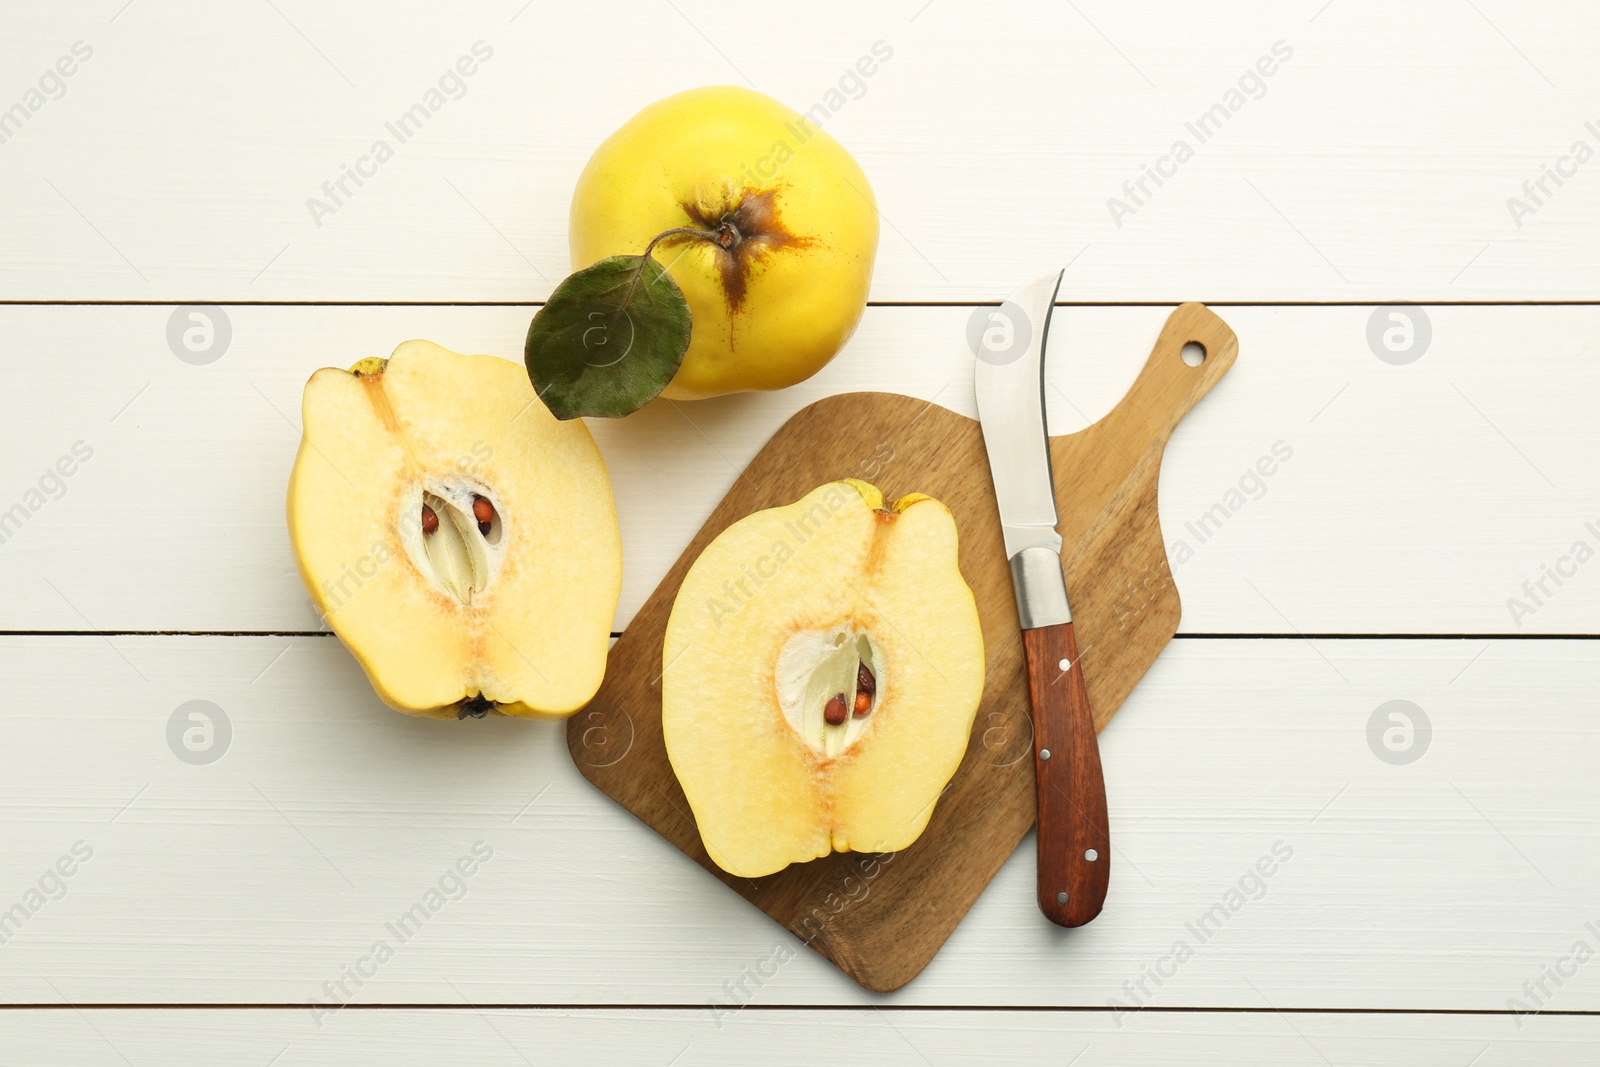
881, 918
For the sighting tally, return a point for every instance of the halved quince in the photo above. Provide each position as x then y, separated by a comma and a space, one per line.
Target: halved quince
459, 540
824, 663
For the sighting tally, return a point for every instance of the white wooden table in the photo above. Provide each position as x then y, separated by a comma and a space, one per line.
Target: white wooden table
213, 910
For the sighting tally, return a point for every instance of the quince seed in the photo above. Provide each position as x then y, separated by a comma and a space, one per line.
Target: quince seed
483, 511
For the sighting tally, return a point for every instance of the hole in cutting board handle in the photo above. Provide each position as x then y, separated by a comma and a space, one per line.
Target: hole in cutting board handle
1194, 353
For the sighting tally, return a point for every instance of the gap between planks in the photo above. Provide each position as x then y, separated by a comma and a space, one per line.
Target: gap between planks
618, 633
1077, 1009
870, 303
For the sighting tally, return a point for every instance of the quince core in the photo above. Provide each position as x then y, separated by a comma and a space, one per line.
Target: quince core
824, 663
459, 539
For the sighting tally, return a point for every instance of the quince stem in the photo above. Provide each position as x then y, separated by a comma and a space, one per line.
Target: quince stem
725, 236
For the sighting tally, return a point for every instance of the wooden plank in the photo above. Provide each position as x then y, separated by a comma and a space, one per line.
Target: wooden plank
1360, 168
270, 871
627, 1037
1399, 498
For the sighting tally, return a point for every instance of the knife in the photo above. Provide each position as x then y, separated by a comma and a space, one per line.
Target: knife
1074, 835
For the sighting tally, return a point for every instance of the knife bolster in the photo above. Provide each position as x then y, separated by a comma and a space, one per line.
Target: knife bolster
1041, 590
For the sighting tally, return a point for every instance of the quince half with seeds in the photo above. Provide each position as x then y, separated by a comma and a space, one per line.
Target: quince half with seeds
460, 540
824, 663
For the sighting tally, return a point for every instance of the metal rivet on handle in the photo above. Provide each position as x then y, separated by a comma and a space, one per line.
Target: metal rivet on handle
1044, 753
1061, 898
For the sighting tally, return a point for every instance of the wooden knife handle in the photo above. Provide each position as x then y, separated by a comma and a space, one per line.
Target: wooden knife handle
1074, 833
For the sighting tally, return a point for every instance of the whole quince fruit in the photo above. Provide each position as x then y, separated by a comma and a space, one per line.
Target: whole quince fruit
770, 232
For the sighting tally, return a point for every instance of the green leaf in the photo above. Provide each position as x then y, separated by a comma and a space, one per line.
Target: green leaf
609, 340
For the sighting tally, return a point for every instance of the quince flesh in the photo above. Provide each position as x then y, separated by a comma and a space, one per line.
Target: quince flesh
824, 663
460, 540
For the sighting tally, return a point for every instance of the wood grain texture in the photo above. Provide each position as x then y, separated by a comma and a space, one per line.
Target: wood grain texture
1074, 834
881, 919
631, 1037
223, 883
1365, 168
177, 166
1379, 523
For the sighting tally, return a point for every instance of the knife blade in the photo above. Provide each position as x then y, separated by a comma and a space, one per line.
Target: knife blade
1074, 861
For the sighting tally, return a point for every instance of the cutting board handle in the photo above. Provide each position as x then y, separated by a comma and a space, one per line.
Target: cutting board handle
1168, 386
